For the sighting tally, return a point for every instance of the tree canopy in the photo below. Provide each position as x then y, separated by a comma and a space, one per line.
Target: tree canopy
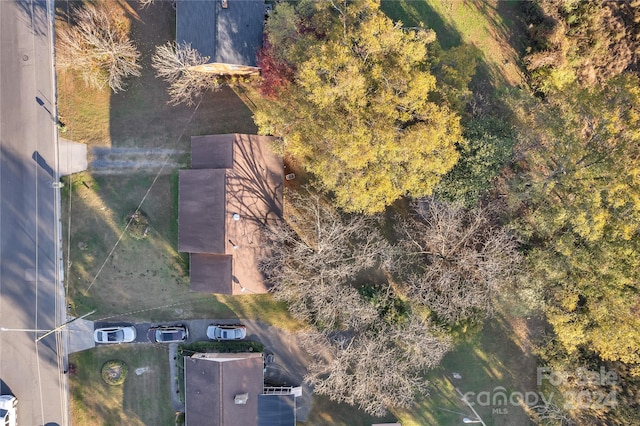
329, 270
587, 41
464, 259
579, 192
98, 47
356, 110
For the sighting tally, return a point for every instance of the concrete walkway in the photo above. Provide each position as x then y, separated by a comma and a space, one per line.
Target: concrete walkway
80, 334
120, 161
73, 157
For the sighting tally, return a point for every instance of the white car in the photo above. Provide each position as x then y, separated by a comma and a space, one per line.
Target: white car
9, 410
124, 334
226, 332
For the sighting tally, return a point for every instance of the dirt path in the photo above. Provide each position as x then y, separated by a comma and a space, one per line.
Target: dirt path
116, 161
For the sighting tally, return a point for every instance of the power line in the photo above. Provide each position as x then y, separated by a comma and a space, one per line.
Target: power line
164, 163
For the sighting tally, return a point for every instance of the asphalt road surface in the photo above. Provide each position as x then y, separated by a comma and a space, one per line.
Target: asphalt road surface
31, 297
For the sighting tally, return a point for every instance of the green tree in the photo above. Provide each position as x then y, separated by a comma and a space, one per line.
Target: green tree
358, 113
578, 187
487, 148
588, 41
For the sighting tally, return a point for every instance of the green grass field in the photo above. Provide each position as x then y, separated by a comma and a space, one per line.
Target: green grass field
488, 360
492, 26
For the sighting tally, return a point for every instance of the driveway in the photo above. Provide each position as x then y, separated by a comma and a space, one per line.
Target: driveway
287, 364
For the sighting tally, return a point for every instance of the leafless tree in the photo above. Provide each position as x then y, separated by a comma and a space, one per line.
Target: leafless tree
318, 258
98, 47
379, 368
549, 414
174, 63
145, 3
313, 269
466, 260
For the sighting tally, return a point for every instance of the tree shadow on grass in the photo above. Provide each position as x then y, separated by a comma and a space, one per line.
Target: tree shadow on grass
416, 13
141, 116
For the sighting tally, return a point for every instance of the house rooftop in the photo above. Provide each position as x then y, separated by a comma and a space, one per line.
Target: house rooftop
277, 410
233, 190
201, 208
231, 34
222, 389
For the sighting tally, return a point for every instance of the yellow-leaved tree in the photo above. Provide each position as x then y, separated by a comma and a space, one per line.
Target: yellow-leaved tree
355, 109
578, 185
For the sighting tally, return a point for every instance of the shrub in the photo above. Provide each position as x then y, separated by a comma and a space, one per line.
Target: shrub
114, 372
138, 222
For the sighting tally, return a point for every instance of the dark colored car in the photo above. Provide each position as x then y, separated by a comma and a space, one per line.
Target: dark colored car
226, 332
168, 333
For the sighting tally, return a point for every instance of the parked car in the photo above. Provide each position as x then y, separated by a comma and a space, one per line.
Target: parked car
226, 332
124, 334
168, 333
8, 410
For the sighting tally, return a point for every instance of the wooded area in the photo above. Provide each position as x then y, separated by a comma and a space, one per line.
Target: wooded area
533, 193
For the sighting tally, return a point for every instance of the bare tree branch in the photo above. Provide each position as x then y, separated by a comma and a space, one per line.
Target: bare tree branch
313, 269
466, 259
379, 368
376, 359
145, 3
98, 48
174, 63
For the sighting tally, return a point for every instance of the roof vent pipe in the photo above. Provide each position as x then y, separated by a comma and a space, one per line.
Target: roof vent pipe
241, 399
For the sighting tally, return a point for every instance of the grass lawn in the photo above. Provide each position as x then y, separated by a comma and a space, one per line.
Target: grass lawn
495, 357
142, 400
326, 412
114, 273
492, 26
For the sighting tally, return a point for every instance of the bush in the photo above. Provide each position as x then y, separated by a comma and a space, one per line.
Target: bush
138, 224
221, 347
114, 372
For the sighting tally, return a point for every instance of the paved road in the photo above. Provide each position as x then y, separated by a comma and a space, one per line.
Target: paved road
30, 298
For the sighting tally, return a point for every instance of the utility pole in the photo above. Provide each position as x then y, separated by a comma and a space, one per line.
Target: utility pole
466, 420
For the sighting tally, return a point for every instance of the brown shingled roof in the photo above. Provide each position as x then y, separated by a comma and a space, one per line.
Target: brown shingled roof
212, 382
201, 210
223, 212
211, 273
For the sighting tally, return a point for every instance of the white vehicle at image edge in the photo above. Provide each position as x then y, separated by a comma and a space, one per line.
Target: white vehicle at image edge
9, 410
226, 332
123, 334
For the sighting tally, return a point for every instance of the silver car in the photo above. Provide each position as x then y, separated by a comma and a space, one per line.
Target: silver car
123, 334
226, 332
168, 333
